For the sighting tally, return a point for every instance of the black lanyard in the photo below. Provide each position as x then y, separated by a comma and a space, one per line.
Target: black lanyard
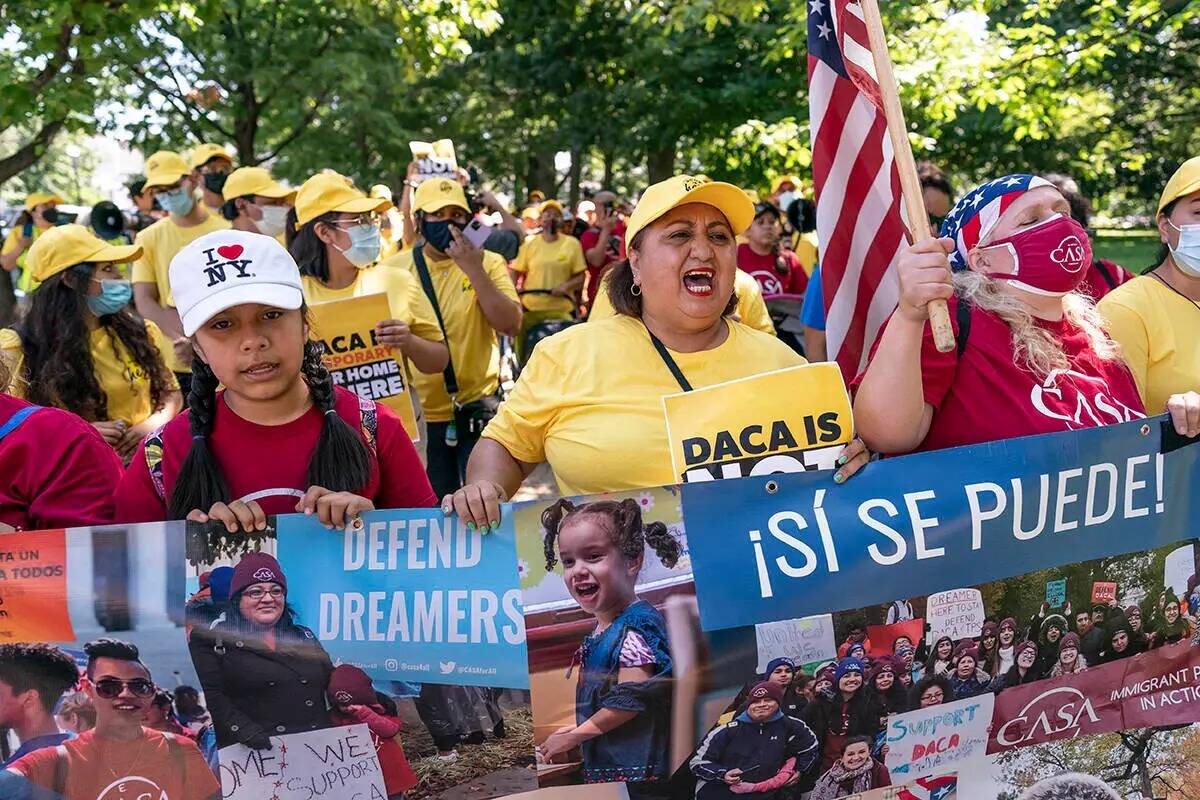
665, 355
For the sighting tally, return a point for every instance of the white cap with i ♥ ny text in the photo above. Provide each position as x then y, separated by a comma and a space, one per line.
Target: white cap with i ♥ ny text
230, 268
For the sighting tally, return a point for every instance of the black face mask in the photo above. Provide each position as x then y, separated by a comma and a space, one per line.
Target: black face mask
50, 215
437, 233
554, 226
215, 181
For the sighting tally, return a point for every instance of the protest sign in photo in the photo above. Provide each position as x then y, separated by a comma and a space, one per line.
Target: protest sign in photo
434, 160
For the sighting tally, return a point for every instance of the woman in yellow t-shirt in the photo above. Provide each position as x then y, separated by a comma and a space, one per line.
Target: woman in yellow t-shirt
39, 216
1156, 318
81, 349
337, 245
590, 399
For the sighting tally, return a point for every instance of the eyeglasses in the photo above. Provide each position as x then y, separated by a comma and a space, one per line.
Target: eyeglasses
367, 218
111, 688
931, 696
258, 594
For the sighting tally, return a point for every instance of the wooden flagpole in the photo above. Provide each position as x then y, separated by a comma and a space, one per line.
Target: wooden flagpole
906, 165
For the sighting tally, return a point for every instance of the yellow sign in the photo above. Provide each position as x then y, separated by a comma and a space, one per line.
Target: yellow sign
790, 420
434, 160
357, 361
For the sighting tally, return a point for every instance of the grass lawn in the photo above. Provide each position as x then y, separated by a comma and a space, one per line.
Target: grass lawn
1133, 249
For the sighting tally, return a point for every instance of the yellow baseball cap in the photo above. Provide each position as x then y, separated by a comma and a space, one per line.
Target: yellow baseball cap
207, 152
247, 181
165, 168
782, 179
665, 195
1185, 181
437, 193
329, 191
37, 198
548, 205
64, 246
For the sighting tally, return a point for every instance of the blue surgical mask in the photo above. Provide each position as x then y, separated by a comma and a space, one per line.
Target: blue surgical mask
114, 295
365, 242
177, 201
437, 233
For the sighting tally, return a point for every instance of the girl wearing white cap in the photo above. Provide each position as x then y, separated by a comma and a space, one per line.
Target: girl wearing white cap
81, 349
280, 437
590, 399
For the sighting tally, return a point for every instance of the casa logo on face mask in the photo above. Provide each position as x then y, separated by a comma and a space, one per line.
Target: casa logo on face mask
215, 269
264, 574
1053, 714
1069, 254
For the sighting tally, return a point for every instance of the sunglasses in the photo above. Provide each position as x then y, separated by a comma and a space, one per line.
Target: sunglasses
111, 688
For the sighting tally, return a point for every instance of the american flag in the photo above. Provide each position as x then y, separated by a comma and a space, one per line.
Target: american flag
859, 218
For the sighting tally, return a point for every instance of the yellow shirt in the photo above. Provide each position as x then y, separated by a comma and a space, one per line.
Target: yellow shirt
807, 249
590, 401
11, 242
751, 308
546, 265
160, 242
474, 348
1159, 334
125, 383
405, 298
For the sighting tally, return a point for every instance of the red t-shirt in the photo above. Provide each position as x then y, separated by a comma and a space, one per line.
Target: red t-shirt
105, 769
1094, 283
56, 471
768, 277
985, 396
269, 463
611, 256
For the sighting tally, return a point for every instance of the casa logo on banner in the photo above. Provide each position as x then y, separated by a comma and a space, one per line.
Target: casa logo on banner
357, 361
791, 420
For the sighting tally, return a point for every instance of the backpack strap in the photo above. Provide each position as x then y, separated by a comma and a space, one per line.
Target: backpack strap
368, 414
962, 315
1105, 273
17, 420
154, 462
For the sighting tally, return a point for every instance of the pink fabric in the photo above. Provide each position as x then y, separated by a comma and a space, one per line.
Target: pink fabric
771, 784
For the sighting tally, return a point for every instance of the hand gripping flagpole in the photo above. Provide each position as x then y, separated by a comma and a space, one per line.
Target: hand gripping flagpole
906, 166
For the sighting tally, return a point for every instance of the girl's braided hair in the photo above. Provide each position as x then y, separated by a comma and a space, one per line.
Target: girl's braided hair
623, 519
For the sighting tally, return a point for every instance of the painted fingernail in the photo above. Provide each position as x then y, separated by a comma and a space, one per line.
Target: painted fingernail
838, 477
470, 526
841, 460
495, 524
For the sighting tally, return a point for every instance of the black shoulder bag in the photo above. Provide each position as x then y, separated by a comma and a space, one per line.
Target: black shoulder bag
472, 417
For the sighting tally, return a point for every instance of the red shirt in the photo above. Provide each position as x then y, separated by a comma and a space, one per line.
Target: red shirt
269, 463
611, 256
764, 270
105, 769
985, 396
1094, 283
56, 471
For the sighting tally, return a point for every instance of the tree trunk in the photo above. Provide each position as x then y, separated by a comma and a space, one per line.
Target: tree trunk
573, 177
608, 170
31, 152
245, 127
539, 173
660, 163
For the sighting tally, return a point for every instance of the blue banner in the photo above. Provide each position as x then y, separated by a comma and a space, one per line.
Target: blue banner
410, 596
787, 546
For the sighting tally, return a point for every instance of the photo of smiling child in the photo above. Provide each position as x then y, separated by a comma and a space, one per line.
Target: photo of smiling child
624, 667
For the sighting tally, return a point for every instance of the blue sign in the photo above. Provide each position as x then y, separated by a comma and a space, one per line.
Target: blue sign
412, 595
787, 546
1056, 593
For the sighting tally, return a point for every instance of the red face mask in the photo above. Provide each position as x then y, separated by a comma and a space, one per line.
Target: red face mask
1051, 258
